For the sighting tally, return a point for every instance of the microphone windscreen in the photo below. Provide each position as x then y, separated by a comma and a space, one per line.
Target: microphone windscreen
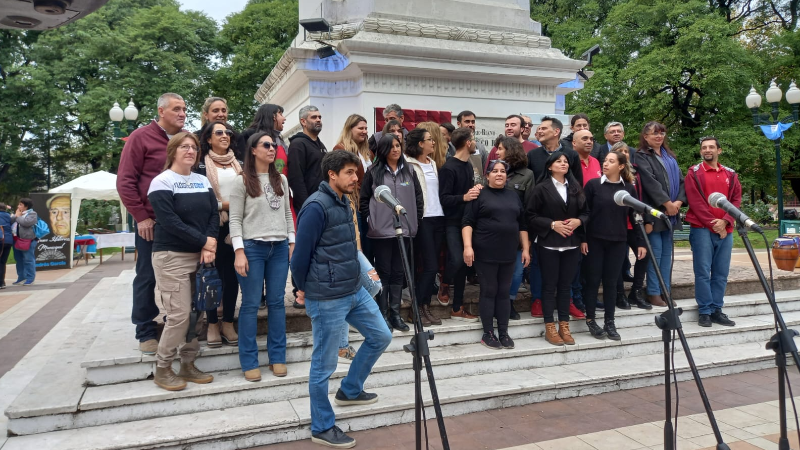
619, 197
379, 192
715, 198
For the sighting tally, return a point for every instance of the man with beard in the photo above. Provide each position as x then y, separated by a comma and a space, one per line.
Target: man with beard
305, 154
325, 266
711, 235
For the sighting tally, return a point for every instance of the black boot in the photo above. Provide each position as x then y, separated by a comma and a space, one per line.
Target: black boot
611, 330
395, 299
514, 313
622, 302
383, 305
636, 298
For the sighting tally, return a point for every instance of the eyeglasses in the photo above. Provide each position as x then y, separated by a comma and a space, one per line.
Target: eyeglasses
659, 134
187, 147
528, 124
429, 139
221, 132
268, 145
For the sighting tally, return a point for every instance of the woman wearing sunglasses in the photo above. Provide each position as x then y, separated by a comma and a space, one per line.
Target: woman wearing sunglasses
262, 231
219, 164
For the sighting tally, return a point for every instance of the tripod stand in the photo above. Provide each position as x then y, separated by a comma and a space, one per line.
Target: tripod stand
418, 347
781, 342
669, 321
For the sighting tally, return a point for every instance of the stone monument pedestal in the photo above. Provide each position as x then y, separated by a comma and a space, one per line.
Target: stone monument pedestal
486, 57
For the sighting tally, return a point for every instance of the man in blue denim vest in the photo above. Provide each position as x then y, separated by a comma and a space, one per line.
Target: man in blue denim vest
325, 267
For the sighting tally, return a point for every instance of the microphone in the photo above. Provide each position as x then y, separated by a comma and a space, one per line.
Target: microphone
718, 200
384, 195
623, 198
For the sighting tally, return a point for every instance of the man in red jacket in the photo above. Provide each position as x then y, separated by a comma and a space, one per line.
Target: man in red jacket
143, 157
711, 233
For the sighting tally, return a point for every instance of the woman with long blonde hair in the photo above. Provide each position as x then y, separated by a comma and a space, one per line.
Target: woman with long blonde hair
439, 142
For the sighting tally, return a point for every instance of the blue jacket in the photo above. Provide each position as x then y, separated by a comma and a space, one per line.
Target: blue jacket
325, 260
5, 224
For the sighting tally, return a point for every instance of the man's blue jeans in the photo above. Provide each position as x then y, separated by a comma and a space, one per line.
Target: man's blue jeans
661, 241
267, 262
711, 258
26, 263
327, 319
372, 287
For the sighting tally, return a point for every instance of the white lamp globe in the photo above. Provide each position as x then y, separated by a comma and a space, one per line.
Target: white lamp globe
115, 113
793, 94
774, 93
131, 113
753, 99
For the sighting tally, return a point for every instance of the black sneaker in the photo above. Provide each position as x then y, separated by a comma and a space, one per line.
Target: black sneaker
489, 340
595, 329
514, 314
611, 331
704, 320
334, 437
622, 301
720, 318
506, 341
363, 398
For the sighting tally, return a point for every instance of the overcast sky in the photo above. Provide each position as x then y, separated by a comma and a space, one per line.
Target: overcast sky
218, 10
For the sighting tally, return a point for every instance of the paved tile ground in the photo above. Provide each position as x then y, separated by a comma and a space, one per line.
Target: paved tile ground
745, 407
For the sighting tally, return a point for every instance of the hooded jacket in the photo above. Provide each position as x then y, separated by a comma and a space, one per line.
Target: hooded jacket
305, 170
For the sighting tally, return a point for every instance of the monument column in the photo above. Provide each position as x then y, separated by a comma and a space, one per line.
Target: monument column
442, 55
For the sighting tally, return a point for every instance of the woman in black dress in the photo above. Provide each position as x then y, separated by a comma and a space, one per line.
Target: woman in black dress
496, 221
556, 212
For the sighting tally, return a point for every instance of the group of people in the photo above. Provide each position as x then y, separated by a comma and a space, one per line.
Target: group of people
18, 236
540, 211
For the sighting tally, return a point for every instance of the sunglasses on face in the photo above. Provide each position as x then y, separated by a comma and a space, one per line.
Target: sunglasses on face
527, 124
221, 132
268, 145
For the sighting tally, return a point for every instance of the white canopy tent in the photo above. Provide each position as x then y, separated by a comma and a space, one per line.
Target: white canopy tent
99, 185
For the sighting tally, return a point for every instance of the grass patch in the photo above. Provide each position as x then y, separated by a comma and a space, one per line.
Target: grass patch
755, 239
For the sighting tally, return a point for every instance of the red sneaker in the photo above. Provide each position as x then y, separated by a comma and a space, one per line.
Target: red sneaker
536, 308
575, 312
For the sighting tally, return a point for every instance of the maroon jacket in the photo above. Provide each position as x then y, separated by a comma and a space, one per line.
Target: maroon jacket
143, 157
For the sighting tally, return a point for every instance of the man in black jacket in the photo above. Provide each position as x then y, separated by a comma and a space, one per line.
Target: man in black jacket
548, 134
580, 122
305, 155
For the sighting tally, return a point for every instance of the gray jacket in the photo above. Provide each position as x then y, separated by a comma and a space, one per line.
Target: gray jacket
25, 224
406, 189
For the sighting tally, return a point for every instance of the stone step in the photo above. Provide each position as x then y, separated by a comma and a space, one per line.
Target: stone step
144, 400
279, 421
116, 358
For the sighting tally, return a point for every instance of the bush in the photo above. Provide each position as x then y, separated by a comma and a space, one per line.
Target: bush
759, 211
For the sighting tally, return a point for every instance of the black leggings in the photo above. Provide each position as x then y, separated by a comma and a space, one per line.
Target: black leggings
604, 262
428, 244
639, 268
455, 273
227, 275
495, 283
388, 262
558, 270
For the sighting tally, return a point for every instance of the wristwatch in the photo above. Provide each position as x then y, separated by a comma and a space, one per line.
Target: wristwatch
219, 206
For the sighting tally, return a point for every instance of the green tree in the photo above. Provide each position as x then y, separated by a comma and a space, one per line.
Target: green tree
255, 39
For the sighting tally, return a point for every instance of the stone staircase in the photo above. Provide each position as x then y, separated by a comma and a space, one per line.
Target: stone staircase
97, 393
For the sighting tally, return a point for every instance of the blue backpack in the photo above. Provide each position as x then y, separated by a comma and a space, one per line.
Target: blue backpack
41, 229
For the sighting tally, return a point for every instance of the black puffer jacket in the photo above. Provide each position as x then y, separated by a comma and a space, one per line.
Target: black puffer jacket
305, 170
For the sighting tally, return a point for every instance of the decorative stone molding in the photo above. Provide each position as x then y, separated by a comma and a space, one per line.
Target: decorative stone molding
433, 31
279, 74
403, 84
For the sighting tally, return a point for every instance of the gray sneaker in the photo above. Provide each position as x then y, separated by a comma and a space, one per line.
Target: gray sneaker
333, 437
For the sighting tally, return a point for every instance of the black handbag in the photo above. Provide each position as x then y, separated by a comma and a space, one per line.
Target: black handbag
208, 288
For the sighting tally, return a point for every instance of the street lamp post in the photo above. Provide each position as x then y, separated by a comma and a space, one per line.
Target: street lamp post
129, 115
772, 127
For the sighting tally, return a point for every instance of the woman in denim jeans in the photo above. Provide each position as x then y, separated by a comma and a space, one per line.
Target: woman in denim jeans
262, 232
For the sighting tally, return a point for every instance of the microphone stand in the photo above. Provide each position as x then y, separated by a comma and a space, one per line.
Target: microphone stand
670, 321
418, 347
781, 342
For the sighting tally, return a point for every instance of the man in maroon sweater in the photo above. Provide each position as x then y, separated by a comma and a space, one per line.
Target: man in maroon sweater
711, 235
143, 157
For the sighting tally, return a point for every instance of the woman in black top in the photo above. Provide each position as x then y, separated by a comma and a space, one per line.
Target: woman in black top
556, 212
492, 219
606, 236
390, 169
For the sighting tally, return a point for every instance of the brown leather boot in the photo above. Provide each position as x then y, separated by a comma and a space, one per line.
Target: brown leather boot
213, 339
426, 312
656, 300
165, 378
191, 373
410, 317
443, 296
551, 335
563, 331
229, 334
